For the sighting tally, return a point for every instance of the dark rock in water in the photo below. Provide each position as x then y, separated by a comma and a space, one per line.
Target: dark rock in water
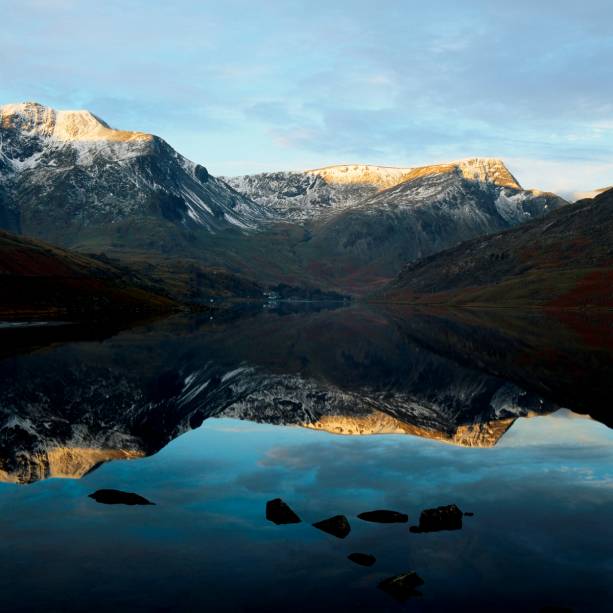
402, 587
468, 514
384, 517
414, 529
118, 497
336, 526
279, 512
363, 559
440, 518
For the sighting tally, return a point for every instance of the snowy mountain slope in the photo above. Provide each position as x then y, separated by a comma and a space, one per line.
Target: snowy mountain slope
67, 177
300, 196
64, 173
435, 208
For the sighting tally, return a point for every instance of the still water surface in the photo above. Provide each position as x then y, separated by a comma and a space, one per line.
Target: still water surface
335, 411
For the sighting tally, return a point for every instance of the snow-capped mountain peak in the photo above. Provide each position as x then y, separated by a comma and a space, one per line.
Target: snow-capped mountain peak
488, 170
36, 119
66, 172
484, 170
364, 174
301, 196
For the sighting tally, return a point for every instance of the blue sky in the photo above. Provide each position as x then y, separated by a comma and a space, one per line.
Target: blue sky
247, 86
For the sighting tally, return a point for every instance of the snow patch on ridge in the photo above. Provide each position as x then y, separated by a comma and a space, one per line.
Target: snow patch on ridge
510, 206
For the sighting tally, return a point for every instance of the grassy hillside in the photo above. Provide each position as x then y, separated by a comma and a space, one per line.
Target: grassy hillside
40, 280
562, 260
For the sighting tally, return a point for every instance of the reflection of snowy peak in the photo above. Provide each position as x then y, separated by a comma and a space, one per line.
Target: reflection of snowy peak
65, 172
475, 421
69, 409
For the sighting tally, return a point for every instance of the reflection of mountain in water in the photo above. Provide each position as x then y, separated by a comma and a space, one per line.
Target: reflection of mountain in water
352, 371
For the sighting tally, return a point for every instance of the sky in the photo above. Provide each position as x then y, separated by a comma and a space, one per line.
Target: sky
250, 86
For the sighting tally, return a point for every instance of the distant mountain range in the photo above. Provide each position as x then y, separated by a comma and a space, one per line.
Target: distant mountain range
302, 196
68, 178
590, 194
564, 259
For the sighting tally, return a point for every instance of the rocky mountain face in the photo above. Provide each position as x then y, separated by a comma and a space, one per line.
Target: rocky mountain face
67, 177
564, 259
301, 196
433, 209
349, 371
361, 224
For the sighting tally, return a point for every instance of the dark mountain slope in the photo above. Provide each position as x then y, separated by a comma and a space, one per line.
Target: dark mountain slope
359, 246
435, 208
37, 279
71, 179
564, 259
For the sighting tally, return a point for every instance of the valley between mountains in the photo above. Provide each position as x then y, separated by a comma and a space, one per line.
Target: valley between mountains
94, 218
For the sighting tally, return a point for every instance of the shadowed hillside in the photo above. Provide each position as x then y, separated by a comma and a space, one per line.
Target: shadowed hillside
38, 279
562, 260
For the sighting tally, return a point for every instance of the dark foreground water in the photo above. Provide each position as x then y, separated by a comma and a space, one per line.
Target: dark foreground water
335, 411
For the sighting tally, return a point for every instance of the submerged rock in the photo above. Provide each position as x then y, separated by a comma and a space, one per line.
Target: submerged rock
468, 514
384, 517
441, 518
279, 512
336, 526
119, 497
402, 587
363, 559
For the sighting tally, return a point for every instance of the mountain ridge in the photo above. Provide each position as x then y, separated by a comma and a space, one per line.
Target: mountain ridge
564, 259
66, 175
69, 178
305, 195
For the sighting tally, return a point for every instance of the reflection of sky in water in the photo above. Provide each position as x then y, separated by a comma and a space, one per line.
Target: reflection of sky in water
541, 532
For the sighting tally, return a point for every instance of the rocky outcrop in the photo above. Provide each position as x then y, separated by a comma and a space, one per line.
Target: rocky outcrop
279, 512
383, 516
118, 497
362, 559
402, 587
441, 518
337, 526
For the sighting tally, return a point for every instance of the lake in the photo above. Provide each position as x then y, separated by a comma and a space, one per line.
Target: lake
336, 410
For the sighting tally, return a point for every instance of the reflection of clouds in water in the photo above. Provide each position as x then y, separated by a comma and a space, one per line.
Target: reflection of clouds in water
560, 428
536, 508
545, 455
